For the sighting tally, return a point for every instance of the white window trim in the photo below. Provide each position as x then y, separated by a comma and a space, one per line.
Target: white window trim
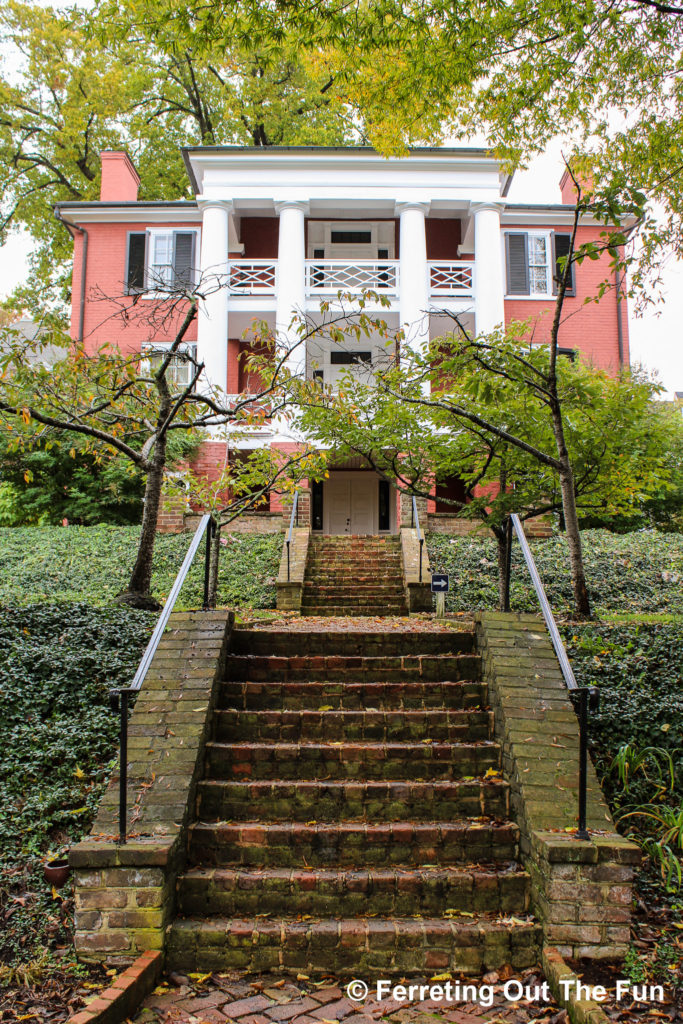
152, 233
149, 347
546, 233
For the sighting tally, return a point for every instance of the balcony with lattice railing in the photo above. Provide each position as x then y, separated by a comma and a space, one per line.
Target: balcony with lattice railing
328, 277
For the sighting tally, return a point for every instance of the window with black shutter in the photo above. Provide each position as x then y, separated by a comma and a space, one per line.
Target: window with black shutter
561, 247
137, 258
517, 251
183, 259
533, 267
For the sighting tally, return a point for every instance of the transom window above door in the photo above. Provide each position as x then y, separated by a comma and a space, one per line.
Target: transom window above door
351, 240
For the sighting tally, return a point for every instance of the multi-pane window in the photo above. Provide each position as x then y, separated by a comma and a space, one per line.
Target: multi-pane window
535, 262
538, 265
181, 368
161, 261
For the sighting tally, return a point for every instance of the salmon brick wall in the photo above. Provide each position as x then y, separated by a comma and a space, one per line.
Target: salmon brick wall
591, 328
105, 298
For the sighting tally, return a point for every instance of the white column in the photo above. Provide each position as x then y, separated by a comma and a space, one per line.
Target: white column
413, 274
212, 315
291, 277
488, 268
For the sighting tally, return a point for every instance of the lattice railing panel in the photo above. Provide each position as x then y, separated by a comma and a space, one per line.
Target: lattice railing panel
337, 276
252, 277
447, 278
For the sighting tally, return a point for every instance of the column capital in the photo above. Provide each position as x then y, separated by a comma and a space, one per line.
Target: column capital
400, 206
492, 205
291, 204
205, 203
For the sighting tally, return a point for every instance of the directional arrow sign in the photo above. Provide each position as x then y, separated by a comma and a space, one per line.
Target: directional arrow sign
439, 583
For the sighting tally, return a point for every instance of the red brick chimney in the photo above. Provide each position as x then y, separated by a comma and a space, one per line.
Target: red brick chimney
568, 188
120, 180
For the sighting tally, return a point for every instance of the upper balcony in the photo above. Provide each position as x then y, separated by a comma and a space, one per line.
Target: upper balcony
325, 279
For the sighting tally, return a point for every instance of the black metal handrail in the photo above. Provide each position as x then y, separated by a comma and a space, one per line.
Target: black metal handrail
295, 505
415, 521
582, 697
120, 697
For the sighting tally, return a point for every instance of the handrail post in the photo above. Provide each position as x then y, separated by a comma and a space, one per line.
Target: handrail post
123, 764
415, 520
508, 564
583, 760
294, 515
207, 564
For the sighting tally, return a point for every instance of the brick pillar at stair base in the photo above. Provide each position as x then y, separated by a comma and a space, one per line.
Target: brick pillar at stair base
293, 561
581, 891
323, 808
125, 894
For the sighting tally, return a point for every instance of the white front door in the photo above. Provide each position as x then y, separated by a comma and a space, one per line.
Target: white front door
351, 503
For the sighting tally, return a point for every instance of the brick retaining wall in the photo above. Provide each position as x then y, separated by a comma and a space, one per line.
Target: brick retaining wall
581, 890
125, 893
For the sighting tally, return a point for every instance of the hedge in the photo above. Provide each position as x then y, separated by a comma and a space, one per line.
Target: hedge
636, 572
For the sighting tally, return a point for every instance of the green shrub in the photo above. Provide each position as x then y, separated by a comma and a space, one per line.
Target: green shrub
638, 572
92, 563
57, 733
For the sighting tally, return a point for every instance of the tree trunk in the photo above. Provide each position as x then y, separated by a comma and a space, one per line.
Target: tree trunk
137, 593
213, 566
582, 605
571, 521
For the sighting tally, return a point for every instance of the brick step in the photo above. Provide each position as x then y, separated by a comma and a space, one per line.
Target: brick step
367, 566
342, 584
274, 695
350, 668
348, 594
321, 844
345, 540
394, 644
350, 760
398, 891
378, 726
366, 947
218, 800
358, 610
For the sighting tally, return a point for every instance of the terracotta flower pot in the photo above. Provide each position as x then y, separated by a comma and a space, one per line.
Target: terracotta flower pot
56, 872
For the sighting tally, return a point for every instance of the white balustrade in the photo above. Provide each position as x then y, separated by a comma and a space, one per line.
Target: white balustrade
252, 277
327, 277
451, 278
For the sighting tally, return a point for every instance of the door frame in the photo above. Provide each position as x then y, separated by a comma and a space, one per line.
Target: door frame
356, 474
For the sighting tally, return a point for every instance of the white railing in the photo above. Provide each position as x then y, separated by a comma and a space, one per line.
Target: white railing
327, 277
252, 277
448, 277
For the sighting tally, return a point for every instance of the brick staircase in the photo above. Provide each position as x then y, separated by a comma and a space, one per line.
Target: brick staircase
346, 820
354, 576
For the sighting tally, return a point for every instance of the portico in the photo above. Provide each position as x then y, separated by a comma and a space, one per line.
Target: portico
347, 220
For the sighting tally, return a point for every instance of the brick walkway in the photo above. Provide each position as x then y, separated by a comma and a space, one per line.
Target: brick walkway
269, 999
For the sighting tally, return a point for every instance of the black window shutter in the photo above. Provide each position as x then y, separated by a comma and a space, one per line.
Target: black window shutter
561, 244
517, 263
135, 273
183, 258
